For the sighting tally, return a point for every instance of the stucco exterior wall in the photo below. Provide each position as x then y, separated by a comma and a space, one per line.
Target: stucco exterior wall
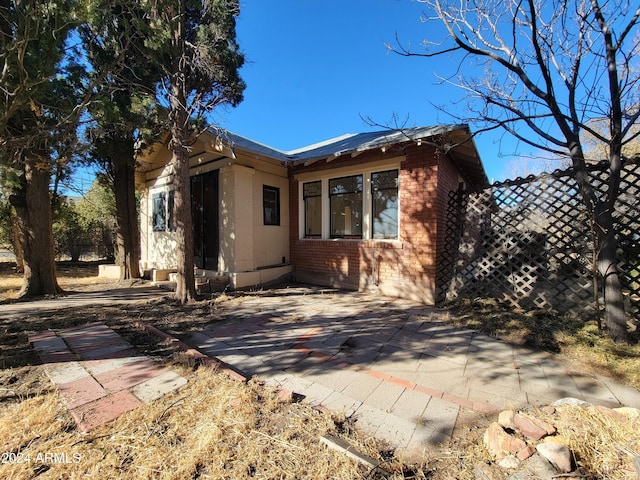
158, 248
245, 243
271, 242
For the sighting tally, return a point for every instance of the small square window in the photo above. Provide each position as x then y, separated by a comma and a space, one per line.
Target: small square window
271, 205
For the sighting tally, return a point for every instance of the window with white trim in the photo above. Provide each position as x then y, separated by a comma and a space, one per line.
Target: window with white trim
345, 203
384, 204
312, 197
360, 206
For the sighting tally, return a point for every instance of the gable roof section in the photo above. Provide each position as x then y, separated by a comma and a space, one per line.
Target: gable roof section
236, 141
456, 141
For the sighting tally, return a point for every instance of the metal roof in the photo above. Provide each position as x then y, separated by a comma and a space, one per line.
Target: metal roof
459, 145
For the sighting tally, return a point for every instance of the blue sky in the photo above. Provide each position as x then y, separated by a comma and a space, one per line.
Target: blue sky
315, 67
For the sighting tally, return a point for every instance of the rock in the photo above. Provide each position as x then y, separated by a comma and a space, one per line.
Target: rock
526, 452
506, 419
611, 413
574, 402
549, 410
628, 412
528, 427
510, 462
558, 455
500, 443
636, 464
284, 395
550, 429
536, 468
486, 471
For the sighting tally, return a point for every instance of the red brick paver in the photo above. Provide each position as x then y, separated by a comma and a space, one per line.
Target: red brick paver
81, 391
91, 415
99, 375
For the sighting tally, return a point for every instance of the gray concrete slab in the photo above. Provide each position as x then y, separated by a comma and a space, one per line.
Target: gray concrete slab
384, 396
410, 405
363, 387
65, 372
440, 415
336, 378
341, 403
315, 393
396, 431
627, 396
156, 387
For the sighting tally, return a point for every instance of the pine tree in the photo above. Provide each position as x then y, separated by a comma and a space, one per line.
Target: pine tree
193, 42
38, 111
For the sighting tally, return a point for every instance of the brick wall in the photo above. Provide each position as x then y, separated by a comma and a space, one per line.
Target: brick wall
448, 181
405, 267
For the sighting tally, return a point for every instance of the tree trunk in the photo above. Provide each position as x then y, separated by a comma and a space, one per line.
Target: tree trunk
128, 233
15, 241
179, 146
33, 212
605, 244
608, 269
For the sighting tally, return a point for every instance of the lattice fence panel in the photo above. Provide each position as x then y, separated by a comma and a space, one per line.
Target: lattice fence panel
528, 242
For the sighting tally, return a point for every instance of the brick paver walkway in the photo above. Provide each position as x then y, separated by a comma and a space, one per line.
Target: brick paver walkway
99, 375
403, 372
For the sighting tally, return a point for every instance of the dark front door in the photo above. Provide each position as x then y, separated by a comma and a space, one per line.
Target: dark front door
204, 211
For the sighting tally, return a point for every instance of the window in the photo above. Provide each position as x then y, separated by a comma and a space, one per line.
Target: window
159, 215
312, 195
345, 199
271, 205
162, 216
362, 206
171, 222
384, 204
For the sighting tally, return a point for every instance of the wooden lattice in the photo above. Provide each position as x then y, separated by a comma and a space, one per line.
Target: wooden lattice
528, 242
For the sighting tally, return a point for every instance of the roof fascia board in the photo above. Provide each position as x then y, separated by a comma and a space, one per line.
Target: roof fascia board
337, 171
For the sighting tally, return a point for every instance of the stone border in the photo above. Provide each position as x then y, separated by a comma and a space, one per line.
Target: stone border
192, 352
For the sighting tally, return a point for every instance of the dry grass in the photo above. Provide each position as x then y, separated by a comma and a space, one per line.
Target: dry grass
71, 277
604, 444
212, 428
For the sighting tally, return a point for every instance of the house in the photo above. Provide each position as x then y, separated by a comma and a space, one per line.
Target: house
363, 211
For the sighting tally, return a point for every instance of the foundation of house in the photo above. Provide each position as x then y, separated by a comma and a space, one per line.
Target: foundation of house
261, 276
208, 281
